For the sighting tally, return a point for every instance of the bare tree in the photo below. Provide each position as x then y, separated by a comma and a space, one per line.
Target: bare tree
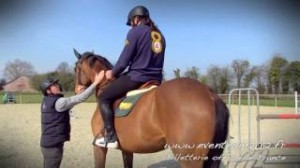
177, 73
240, 68
64, 68
218, 78
65, 75
2, 83
16, 69
225, 80
248, 78
260, 78
213, 76
192, 73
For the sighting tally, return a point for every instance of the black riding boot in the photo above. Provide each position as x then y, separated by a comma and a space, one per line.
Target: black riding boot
110, 138
108, 119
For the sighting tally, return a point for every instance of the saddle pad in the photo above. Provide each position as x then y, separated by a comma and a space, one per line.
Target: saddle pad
129, 101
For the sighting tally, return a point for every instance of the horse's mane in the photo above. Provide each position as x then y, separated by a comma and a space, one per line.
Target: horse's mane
92, 58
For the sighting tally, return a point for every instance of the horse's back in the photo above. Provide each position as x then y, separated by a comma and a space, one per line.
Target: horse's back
178, 111
185, 90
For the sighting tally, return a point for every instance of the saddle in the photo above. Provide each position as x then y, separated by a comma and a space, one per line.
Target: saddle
124, 105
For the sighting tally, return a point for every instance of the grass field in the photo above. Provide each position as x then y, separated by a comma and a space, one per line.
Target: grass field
31, 98
264, 100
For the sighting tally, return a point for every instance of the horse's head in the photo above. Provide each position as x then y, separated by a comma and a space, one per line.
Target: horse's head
87, 65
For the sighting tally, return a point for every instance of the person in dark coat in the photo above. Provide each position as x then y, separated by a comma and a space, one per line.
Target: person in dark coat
55, 119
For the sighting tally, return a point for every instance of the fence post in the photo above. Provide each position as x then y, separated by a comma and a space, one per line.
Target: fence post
248, 103
20, 97
296, 102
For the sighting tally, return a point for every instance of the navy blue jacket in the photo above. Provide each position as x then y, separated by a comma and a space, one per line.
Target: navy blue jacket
55, 125
143, 54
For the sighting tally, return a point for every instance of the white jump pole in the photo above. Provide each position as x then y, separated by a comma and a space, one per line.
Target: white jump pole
276, 117
280, 116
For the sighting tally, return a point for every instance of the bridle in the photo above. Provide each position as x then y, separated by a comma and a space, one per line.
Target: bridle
79, 82
100, 86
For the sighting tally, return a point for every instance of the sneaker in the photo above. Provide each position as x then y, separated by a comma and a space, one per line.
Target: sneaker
102, 143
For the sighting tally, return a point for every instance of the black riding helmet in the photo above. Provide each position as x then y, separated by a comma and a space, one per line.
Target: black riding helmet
46, 84
137, 11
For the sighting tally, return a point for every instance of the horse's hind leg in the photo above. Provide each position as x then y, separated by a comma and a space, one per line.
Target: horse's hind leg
127, 159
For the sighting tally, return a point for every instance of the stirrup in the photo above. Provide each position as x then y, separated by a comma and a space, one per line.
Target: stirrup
102, 143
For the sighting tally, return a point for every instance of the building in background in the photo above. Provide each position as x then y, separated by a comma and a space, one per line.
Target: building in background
21, 84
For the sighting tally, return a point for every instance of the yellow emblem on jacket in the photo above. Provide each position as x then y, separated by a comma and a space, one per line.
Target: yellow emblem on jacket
156, 42
126, 42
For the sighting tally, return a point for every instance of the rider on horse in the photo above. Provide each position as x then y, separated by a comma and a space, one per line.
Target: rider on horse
143, 55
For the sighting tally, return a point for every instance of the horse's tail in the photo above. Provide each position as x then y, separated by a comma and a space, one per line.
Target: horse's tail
220, 136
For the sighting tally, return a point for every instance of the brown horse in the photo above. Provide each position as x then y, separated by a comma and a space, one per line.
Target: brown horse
181, 114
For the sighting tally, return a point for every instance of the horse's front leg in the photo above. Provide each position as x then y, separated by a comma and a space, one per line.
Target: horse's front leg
100, 157
99, 153
127, 159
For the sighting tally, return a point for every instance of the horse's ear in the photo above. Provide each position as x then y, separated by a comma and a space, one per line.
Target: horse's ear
77, 54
